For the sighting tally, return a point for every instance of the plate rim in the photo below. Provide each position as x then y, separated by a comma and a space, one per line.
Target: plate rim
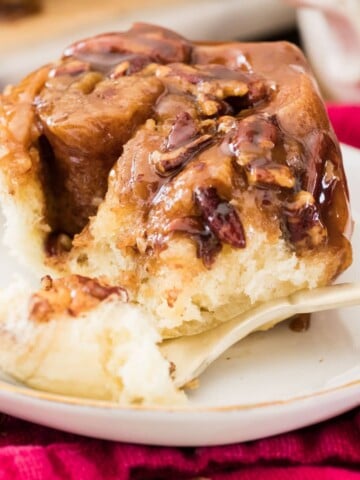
67, 400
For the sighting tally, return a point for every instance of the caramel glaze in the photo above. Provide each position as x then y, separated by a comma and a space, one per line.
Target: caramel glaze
198, 127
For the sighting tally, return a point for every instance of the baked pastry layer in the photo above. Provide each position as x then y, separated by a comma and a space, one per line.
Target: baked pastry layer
203, 178
78, 337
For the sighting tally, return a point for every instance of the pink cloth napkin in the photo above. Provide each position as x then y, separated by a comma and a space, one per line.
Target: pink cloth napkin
346, 122
327, 451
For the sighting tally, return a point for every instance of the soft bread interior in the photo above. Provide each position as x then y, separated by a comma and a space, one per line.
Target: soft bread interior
107, 353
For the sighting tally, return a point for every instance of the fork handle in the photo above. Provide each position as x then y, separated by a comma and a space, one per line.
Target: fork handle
193, 354
326, 298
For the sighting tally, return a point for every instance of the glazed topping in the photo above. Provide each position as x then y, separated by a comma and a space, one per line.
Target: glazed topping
71, 295
220, 216
104, 89
157, 44
187, 132
183, 130
257, 144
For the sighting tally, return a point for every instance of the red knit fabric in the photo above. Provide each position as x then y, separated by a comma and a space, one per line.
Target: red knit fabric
327, 451
346, 122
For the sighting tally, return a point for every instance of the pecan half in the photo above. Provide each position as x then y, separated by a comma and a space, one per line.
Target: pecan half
220, 216
207, 244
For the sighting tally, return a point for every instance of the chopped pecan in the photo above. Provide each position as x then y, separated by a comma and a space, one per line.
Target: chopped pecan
294, 156
220, 216
303, 221
270, 173
226, 123
217, 89
253, 138
208, 105
71, 295
258, 92
222, 88
166, 163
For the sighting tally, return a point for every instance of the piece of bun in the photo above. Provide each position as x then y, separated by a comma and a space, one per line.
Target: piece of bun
77, 337
204, 178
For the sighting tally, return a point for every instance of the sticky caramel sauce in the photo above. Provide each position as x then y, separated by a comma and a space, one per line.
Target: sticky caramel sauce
184, 129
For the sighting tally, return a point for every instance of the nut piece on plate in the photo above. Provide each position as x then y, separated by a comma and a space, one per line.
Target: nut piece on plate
203, 178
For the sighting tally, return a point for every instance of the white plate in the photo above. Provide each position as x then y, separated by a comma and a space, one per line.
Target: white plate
269, 383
